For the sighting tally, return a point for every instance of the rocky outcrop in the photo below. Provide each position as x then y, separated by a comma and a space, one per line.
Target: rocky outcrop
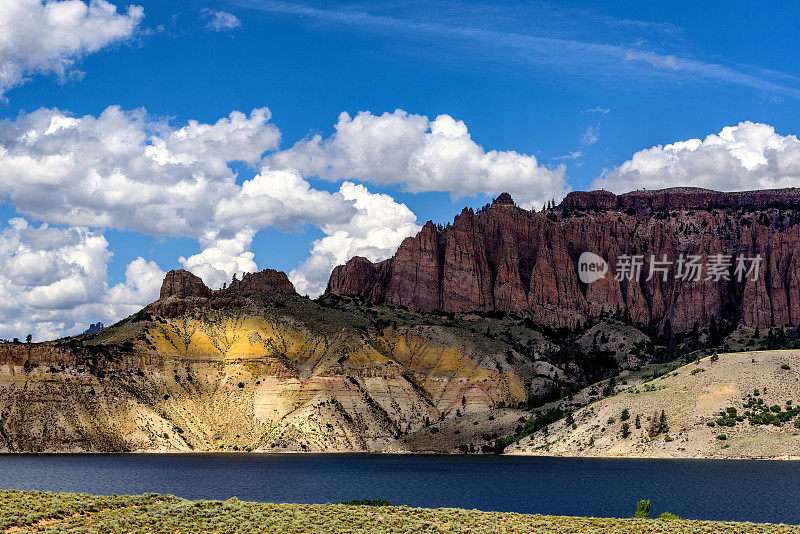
183, 284
505, 258
94, 327
182, 291
266, 281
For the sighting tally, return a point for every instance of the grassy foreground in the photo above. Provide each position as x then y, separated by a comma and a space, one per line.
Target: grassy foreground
33, 511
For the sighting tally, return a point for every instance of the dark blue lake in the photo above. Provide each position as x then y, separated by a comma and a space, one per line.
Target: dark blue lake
763, 491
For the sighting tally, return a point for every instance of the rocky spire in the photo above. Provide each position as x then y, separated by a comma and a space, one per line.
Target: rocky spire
504, 198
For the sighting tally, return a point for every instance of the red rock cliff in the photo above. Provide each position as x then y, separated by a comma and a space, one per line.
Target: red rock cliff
506, 258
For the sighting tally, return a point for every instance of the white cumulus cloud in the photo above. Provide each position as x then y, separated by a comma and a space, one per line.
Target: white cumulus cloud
354, 221
40, 37
422, 155
53, 280
221, 258
742, 157
375, 231
126, 169
282, 199
142, 286
273, 198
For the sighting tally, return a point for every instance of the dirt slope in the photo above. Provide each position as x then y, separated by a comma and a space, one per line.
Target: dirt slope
762, 387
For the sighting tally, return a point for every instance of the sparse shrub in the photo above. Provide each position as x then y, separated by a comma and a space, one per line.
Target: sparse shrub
367, 502
658, 424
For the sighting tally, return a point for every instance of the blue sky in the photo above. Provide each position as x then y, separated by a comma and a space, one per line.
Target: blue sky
581, 85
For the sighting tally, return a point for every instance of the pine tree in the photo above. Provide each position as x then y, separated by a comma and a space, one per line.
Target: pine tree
714, 332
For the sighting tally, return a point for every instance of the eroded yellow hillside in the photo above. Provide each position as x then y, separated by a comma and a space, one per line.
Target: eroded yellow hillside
233, 380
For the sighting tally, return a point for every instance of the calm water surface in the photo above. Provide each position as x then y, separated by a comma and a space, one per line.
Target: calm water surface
698, 489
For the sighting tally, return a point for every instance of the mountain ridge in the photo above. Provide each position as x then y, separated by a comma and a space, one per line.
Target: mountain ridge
505, 258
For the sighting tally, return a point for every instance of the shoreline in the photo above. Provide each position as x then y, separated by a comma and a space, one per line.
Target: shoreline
403, 453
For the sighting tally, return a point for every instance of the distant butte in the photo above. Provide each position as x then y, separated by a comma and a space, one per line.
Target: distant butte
182, 291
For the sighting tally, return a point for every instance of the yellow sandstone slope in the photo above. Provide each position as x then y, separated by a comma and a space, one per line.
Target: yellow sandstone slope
277, 374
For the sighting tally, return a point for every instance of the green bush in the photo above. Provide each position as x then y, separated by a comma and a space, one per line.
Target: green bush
141, 316
667, 515
722, 437
642, 509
